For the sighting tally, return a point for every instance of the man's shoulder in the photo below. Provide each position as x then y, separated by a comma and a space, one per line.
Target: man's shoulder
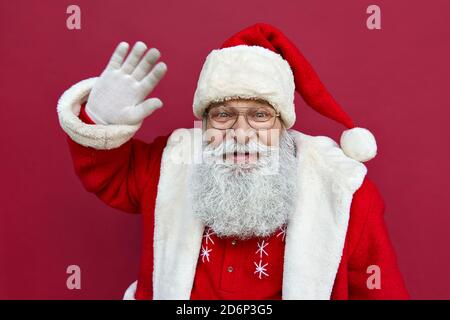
365, 200
324, 156
347, 172
367, 196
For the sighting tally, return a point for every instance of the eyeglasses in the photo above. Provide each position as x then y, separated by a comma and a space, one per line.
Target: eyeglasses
259, 118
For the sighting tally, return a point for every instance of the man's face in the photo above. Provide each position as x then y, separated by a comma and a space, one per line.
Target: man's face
246, 185
242, 120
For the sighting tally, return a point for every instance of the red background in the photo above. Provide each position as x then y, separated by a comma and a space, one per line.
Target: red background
394, 81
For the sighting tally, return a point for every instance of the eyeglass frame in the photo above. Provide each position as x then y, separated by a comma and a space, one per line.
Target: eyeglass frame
277, 115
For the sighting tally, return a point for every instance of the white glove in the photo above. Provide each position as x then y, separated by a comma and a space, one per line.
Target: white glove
118, 94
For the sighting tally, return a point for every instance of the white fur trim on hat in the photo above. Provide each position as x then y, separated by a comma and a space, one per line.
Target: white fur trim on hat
359, 144
246, 72
99, 137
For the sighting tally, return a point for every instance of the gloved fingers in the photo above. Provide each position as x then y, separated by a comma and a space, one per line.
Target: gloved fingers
134, 57
152, 79
117, 57
135, 114
146, 64
146, 107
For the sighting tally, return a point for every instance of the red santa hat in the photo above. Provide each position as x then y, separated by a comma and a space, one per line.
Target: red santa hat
260, 62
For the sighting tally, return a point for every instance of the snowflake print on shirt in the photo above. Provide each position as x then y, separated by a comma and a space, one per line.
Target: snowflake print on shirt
261, 247
208, 233
282, 232
205, 253
261, 269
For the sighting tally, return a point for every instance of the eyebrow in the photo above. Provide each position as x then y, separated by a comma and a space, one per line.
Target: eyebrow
227, 103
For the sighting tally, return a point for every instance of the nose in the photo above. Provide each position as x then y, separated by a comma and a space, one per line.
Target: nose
242, 130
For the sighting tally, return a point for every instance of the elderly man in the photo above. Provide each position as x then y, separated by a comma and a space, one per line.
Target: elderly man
241, 206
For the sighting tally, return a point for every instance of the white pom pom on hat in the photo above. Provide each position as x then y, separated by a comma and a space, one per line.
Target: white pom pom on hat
359, 144
261, 62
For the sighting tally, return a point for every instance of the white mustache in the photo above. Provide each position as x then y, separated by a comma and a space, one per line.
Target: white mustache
230, 146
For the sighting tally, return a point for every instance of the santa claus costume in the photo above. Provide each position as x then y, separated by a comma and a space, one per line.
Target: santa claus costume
324, 251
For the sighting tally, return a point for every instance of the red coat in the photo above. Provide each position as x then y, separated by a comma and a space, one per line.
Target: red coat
127, 177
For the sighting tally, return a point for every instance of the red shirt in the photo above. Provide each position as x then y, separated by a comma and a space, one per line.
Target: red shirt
229, 268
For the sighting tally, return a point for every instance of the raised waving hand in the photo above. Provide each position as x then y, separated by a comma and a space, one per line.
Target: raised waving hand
118, 95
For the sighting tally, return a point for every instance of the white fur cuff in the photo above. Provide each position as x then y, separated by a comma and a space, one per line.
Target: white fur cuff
101, 137
130, 292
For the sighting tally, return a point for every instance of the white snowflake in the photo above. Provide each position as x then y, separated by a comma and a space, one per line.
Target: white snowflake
261, 247
261, 269
282, 232
205, 253
208, 235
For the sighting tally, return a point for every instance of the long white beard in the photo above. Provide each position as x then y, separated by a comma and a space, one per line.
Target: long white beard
245, 200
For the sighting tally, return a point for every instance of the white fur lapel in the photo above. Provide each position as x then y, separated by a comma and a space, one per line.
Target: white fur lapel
315, 235
178, 235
